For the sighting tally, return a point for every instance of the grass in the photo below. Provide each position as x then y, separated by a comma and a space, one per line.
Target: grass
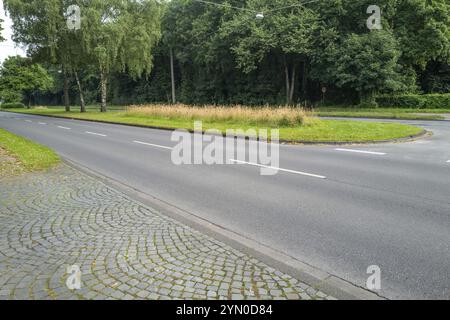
296, 126
383, 113
264, 116
24, 154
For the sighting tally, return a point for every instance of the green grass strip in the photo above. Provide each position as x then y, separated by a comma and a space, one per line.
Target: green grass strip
32, 156
319, 131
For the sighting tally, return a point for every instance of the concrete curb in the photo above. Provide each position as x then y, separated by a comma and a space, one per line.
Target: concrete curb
291, 142
319, 279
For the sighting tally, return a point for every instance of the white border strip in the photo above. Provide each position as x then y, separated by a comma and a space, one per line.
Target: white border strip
153, 145
279, 169
96, 134
361, 151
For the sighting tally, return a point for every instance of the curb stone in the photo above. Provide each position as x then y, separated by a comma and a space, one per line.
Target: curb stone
315, 277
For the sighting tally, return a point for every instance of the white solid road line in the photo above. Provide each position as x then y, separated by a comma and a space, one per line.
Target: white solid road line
279, 169
96, 134
65, 128
361, 151
153, 145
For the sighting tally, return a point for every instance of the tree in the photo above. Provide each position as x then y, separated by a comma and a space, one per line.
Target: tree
286, 32
423, 30
120, 36
20, 78
41, 26
367, 63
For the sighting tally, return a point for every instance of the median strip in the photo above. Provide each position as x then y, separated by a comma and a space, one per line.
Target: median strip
361, 151
153, 145
279, 169
96, 134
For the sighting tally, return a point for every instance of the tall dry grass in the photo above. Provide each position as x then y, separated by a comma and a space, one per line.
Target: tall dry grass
268, 116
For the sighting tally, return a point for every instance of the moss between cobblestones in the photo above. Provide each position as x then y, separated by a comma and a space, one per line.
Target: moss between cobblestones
29, 155
139, 253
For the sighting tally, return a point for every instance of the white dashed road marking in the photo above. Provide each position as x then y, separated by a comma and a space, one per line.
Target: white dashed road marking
361, 151
28, 121
153, 145
65, 128
96, 134
43, 123
279, 169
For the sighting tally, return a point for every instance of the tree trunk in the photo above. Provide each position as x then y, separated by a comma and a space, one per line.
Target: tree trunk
103, 85
292, 86
290, 81
66, 91
288, 89
80, 90
304, 80
172, 76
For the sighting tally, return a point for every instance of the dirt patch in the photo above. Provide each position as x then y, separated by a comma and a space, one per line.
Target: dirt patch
9, 166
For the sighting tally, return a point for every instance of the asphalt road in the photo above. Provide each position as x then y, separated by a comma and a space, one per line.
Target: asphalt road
389, 207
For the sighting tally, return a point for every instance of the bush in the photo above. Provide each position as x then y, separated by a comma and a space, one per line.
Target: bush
416, 101
12, 105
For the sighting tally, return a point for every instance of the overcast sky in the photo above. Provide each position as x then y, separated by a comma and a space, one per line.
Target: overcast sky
7, 48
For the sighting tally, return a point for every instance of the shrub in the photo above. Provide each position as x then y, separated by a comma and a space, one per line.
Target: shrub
12, 105
416, 101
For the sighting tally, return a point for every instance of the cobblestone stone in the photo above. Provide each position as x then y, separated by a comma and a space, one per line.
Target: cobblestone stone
58, 218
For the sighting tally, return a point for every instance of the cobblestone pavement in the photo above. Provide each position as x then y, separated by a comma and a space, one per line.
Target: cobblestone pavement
55, 219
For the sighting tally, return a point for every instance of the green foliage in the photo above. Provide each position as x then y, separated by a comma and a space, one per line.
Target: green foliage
20, 77
426, 101
115, 35
120, 35
226, 56
283, 32
361, 67
12, 105
423, 30
10, 95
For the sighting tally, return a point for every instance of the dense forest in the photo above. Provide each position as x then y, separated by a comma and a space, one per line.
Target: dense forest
264, 52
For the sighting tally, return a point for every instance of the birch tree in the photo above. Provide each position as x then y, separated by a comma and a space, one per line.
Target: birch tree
120, 36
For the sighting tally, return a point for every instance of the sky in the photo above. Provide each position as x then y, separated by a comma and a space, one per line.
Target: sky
7, 48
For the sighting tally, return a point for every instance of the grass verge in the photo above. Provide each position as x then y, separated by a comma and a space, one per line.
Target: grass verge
313, 130
383, 113
24, 154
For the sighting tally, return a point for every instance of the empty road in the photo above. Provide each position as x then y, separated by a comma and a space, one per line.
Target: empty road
385, 205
